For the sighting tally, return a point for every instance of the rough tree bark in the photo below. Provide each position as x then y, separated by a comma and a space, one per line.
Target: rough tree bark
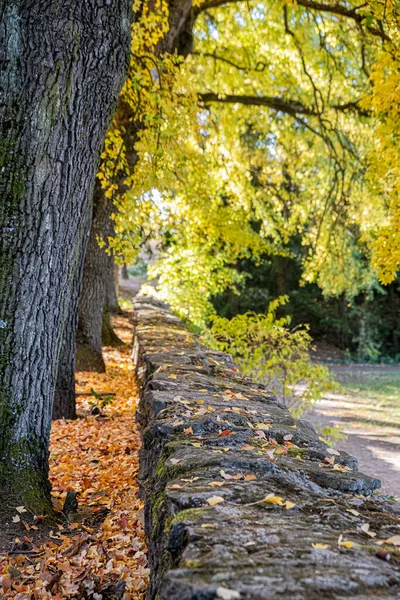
64, 67
64, 405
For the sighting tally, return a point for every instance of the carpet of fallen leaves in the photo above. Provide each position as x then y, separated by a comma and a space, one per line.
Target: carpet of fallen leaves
100, 553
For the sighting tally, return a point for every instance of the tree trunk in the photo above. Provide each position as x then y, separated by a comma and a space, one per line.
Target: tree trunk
98, 296
64, 405
111, 276
92, 302
125, 274
65, 63
108, 335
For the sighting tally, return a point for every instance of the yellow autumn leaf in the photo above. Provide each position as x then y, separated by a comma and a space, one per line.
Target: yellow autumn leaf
215, 500
271, 499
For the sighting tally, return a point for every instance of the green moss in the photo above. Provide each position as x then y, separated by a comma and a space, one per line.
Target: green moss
22, 481
162, 470
297, 451
192, 564
189, 514
156, 510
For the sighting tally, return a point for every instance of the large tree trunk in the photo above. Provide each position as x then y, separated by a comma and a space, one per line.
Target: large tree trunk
65, 63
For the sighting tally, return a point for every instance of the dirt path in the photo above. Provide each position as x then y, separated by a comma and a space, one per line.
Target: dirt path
130, 287
370, 417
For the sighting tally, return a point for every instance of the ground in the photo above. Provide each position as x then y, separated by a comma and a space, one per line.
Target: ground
101, 550
367, 410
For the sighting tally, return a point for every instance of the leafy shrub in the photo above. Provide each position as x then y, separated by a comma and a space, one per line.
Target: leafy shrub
265, 348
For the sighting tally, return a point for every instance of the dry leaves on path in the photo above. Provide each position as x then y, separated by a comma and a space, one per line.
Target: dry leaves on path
103, 553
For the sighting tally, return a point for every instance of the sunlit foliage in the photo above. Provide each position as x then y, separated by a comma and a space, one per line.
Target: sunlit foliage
266, 348
281, 123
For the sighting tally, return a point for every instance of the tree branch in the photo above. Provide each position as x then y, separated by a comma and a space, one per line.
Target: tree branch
289, 107
336, 9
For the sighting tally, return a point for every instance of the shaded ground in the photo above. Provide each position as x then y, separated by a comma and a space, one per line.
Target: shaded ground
367, 410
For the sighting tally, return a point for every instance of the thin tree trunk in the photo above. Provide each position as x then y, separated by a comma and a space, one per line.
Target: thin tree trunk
65, 63
111, 276
125, 274
93, 315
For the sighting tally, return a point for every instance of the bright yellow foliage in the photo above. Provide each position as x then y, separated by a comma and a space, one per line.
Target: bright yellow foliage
219, 181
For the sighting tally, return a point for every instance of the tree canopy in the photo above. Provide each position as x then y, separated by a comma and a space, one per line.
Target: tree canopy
282, 122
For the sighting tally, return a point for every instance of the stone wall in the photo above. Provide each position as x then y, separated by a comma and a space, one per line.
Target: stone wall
241, 500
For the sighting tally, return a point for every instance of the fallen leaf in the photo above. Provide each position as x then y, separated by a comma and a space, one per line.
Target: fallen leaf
216, 483
215, 500
207, 526
333, 451
289, 437
188, 431
365, 529
394, 540
344, 543
272, 499
289, 505
175, 486
175, 461
320, 546
224, 432
16, 519
250, 477
21, 509
227, 594
353, 512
